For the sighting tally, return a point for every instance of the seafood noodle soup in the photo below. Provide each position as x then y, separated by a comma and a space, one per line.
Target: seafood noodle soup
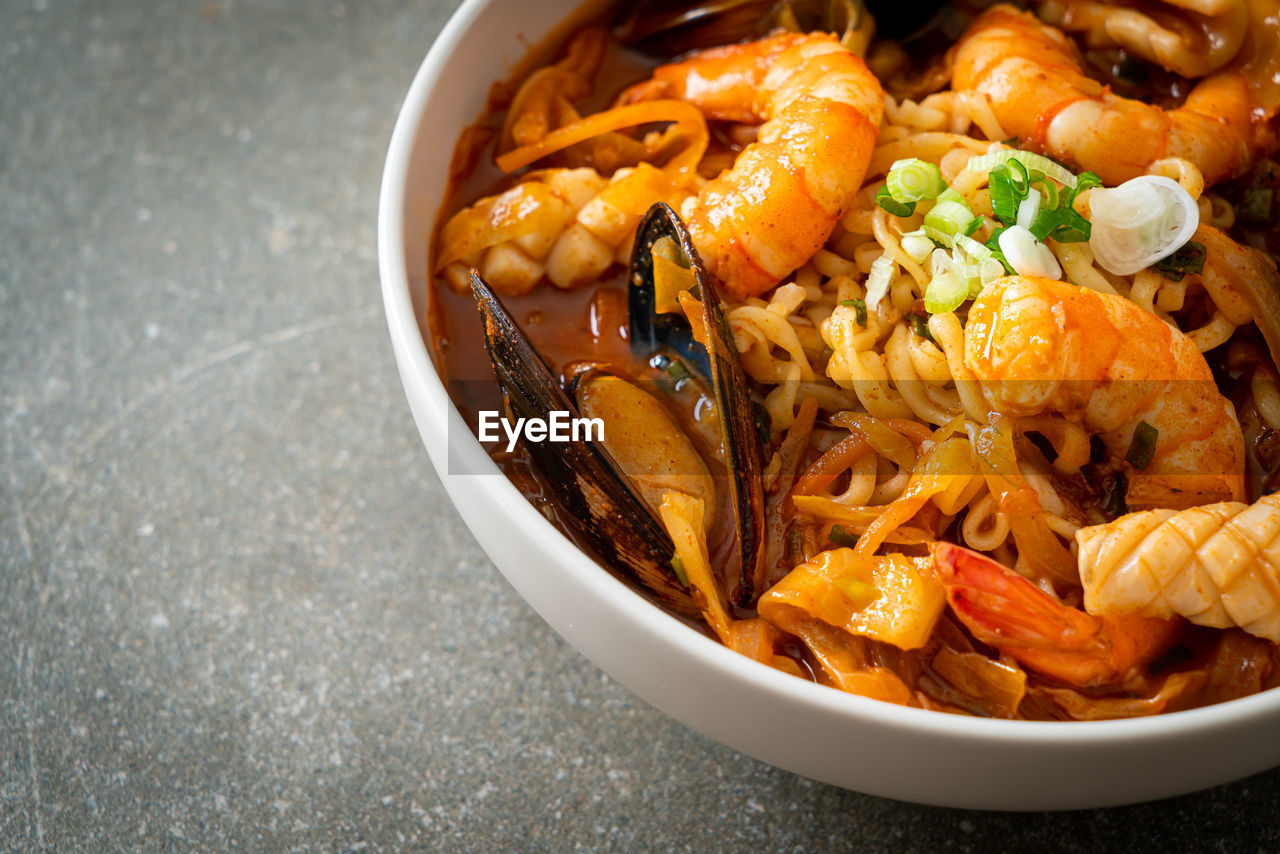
931, 358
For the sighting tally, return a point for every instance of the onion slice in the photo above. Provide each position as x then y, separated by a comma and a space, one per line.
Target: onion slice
1140, 222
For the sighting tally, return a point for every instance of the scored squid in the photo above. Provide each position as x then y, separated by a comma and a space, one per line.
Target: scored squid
1217, 565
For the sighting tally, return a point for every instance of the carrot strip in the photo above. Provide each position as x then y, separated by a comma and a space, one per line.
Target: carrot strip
679, 112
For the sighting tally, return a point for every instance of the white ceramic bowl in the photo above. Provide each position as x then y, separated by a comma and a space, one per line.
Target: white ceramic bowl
861, 744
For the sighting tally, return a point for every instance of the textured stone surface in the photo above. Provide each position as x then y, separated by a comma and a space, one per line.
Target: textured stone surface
236, 608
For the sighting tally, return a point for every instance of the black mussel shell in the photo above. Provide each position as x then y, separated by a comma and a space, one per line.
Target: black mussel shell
652, 334
595, 499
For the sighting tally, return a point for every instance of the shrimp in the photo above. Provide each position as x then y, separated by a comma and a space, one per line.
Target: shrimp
1203, 35
1037, 345
777, 205
761, 219
1035, 80
1217, 566
1005, 610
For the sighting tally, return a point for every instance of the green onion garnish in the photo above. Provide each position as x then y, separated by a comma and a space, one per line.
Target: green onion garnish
886, 200
1004, 197
1048, 191
1027, 160
1115, 504
1012, 183
945, 293
919, 326
678, 566
1143, 447
913, 180
840, 537
859, 310
940, 238
951, 218
972, 248
879, 279
952, 195
993, 243
1188, 259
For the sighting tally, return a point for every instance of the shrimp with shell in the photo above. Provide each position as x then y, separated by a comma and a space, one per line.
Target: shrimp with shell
1035, 79
1192, 38
1008, 612
1037, 345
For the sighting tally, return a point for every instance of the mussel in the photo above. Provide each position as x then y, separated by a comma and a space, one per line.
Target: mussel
603, 501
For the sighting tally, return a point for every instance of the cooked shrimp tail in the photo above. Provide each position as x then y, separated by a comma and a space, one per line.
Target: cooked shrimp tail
1005, 610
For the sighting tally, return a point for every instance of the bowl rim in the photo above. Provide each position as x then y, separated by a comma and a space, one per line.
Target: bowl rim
419, 372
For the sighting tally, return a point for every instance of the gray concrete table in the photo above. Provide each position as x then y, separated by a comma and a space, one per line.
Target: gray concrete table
236, 607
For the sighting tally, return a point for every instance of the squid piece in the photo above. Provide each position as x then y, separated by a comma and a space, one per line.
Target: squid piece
1217, 565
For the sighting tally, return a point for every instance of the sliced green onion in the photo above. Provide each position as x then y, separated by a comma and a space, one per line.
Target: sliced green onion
993, 243
1004, 196
1063, 225
1049, 189
913, 180
972, 248
840, 537
886, 200
1189, 259
677, 566
1143, 447
1115, 505
879, 279
1086, 181
1028, 256
1021, 176
919, 326
988, 271
859, 593
951, 218
939, 238
1026, 159
859, 310
917, 245
946, 292
1028, 209
952, 195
